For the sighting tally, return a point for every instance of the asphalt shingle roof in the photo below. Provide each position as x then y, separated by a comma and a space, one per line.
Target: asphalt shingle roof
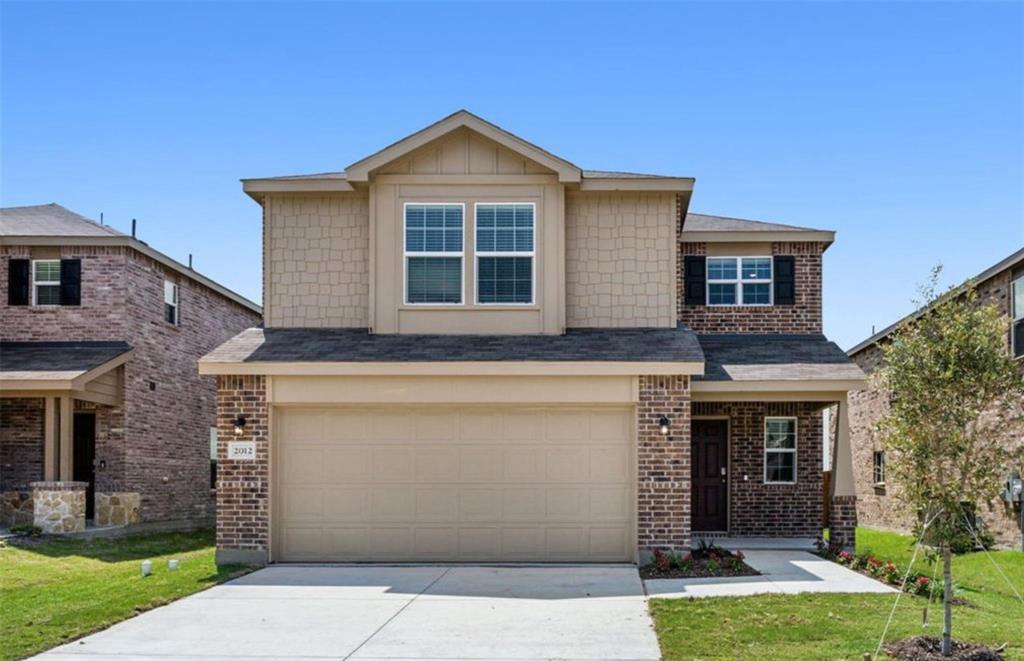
699, 222
774, 357
358, 345
49, 220
57, 356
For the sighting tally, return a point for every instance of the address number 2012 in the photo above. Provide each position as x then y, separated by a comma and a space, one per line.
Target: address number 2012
242, 451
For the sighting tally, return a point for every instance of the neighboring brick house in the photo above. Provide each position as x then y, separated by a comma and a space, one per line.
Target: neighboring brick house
103, 416
877, 494
474, 350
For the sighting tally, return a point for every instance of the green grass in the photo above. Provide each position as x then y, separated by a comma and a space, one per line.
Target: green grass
55, 590
838, 626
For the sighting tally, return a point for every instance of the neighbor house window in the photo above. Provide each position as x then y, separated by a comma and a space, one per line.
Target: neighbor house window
878, 468
739, 280
433, 253
504, 253
170, 302
780, 450
46, 282
1017, 331
213, 457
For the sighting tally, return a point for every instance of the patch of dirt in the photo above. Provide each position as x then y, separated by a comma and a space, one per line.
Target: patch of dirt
929, 648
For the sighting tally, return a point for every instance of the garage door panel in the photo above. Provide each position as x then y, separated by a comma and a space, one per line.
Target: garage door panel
444, 484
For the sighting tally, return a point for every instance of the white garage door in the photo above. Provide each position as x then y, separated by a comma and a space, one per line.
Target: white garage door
447, 484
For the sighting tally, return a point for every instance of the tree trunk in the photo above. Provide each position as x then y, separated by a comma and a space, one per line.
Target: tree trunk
947, 600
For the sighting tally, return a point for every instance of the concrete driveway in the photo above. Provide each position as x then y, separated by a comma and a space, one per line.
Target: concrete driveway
458, 612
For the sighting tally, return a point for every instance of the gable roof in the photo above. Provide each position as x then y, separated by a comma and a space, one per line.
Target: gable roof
1017, 257
567, 172
699, 227
53, 225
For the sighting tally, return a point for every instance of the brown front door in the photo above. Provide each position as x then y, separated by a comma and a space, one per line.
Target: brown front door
710, 490
84, 469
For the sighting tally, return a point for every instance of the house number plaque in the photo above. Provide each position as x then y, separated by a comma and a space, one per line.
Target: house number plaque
242, 450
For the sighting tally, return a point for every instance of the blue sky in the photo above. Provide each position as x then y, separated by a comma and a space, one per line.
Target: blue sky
899, 125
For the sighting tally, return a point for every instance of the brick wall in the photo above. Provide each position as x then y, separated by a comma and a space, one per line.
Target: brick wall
771, 510
316, 260
802, 317
879, 507
663, 464
21, 443
158, 443
619, 261
243, 487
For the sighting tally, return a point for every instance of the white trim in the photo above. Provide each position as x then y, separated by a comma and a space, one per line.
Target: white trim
406, 254
532, 254
44, 283
874, 455
796, 445
173, 304
739, 281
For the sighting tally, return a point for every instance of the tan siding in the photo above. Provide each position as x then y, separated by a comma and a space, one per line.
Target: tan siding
463, 152
620, 259
318, 261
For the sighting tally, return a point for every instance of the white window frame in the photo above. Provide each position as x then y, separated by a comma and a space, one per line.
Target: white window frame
793, 451
532, 255
874, 468
739, 281
406, 255
44, 283
1016, 316
174, 303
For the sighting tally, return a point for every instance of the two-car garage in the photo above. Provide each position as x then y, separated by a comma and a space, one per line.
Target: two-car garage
453, 483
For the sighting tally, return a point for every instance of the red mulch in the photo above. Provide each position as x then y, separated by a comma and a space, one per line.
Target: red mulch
929, 648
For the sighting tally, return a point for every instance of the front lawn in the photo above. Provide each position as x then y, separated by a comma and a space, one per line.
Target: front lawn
843, 626
55, 590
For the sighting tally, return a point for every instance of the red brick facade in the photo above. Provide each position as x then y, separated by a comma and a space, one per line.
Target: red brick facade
770, 510
243, 487
804, 316
158, 443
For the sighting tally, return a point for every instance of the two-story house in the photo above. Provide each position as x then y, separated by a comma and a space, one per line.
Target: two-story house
103, 417
878, 505
474, 350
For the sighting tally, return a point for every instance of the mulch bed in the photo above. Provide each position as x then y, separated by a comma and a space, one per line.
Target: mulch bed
929, 648
724, 562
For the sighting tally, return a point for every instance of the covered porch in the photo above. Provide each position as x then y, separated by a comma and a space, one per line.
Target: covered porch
56, 398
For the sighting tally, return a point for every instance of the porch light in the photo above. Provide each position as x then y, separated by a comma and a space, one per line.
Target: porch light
239, 423
663, 425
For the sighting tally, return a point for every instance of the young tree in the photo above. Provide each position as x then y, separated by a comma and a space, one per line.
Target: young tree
956, 393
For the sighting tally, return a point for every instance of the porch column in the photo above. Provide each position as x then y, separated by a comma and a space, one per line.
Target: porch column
843, 518
66, 441
50, 426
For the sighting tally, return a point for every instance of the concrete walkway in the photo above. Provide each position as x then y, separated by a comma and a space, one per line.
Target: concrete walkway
782, 572
429, 612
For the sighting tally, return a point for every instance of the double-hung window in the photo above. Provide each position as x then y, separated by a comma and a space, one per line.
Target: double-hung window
1017, 330
170, 302
780, 450
433, 253
739, 281
878, 468
504, 253
46, 282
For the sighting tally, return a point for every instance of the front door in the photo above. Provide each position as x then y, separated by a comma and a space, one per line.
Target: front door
710, 490
84, 469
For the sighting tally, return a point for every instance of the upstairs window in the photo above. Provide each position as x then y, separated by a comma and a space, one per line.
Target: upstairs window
504, 253
433, 253
1017, 331
878, 468
46, 282
739, 280
170, 302
780, 450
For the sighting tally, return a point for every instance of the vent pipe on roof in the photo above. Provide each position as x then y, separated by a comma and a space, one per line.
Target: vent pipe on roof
133, 228
101, 218
190, 260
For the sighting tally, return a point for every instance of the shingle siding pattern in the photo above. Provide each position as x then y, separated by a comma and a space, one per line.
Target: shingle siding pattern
317, 261
804, 316
771, 510
619, 259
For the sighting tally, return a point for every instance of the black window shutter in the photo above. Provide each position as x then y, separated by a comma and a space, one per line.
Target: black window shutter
694, 280
70, 282
784, 275
17, 282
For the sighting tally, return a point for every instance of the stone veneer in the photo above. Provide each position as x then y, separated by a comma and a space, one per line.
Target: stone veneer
663, 465
16, 508
243, 487
117, 509
59, 507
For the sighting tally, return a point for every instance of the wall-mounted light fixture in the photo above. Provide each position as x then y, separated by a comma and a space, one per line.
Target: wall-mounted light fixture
239, 423
664, 424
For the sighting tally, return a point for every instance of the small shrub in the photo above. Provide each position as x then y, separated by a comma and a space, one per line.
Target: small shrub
661, 560
712, 566
26, 530
891, 573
